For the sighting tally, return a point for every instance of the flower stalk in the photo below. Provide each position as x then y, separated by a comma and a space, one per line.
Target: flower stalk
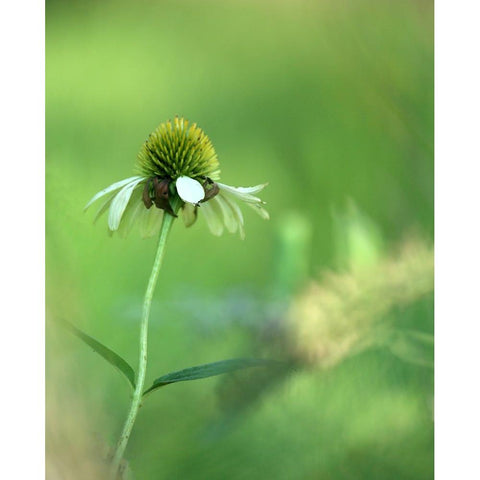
178, 172
142, 363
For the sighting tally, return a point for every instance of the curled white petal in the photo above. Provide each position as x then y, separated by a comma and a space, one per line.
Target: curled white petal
225, 204
229, 218
104, 207
243, 190
132, 212
237, 212
239, 195
112, 188
189, 214
119, 204
213, 216
243, 193
190, 190
260, 210
150, 221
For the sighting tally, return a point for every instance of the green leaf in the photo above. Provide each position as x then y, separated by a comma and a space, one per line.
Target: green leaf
413, 347
109, 355
209, 370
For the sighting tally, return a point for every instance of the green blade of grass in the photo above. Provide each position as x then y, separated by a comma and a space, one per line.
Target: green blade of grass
109, 355
208, 370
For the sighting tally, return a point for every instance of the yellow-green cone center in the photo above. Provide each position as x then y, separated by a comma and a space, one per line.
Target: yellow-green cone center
177, 148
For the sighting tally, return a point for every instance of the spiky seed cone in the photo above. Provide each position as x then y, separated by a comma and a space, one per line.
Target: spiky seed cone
177, 149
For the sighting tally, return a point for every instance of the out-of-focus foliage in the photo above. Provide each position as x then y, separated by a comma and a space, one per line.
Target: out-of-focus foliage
346, 312
332, 104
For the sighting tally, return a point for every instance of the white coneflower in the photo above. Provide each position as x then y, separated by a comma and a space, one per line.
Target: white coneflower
177, 161
177, 171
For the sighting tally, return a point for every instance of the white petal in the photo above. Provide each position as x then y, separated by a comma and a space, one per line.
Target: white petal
119, 204
189, 214
104, 207
235, 192
249, 190
229, 218
112, 188
213, 216
189, 190
150, 221
238, 213
260, 210
134, 209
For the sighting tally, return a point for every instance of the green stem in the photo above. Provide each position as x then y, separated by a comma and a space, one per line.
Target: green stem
142, 368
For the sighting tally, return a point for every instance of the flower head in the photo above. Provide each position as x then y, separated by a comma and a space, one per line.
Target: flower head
177, 170
177, 149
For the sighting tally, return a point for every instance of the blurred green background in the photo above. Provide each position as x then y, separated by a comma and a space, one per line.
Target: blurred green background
332, 104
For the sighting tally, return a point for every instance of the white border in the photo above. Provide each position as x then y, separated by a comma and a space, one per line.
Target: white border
457, 282
22, 234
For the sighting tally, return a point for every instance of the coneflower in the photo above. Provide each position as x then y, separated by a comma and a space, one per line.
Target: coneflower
177, 161
177, 173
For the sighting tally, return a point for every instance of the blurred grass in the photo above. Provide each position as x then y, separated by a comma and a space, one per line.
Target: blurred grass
329, 102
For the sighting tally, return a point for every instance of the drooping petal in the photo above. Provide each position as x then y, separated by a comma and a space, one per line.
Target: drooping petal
150, 221
112, 188
241, 190
229, 218
245, 195
238, 213
225, 205
104, 207
213, 217
189, 214
119, 204
190, 190
260, 210
133, 211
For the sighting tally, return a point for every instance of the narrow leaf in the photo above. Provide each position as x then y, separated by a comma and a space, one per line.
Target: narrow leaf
109, 355
208, 370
